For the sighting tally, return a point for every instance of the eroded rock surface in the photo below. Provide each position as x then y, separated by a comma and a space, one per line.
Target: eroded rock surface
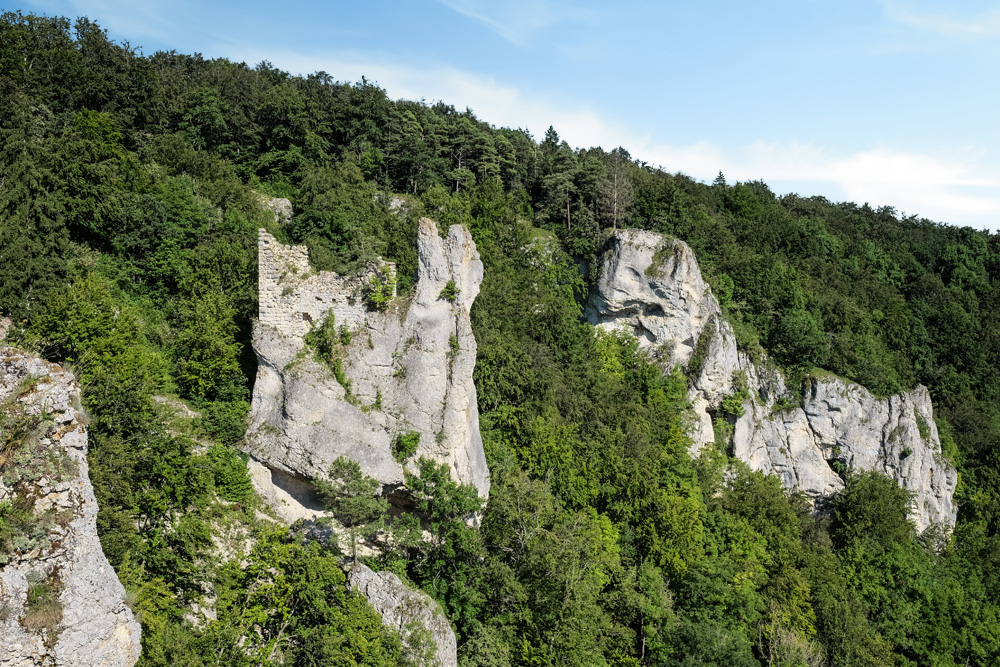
407, 370
652, 287
408, 612
61, 603
279, 206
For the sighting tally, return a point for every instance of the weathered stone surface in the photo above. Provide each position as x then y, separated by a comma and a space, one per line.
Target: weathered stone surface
402, 608
409, 369
280, 207
49, 471
652, 287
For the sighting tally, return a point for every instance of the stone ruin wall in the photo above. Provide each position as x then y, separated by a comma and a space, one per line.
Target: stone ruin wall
293, 295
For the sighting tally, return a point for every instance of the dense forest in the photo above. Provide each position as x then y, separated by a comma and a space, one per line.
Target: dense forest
129, 206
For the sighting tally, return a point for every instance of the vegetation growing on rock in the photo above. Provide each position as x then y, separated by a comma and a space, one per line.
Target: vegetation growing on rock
128, 241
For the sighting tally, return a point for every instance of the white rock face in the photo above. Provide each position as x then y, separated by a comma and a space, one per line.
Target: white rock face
50, 473
402, 608
409, 369
652, 287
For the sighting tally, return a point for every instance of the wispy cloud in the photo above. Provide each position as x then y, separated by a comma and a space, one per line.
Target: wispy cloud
520, 20
959, 188
944, 20
134, 19
493, 101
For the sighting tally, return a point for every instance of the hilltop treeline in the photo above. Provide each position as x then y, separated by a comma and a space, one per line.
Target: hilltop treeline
129, 204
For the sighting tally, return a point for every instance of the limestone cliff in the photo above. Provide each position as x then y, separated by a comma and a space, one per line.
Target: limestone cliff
652, 287
407, 612
60, 601
403, 372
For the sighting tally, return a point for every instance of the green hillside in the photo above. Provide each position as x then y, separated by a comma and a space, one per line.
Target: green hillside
129, 209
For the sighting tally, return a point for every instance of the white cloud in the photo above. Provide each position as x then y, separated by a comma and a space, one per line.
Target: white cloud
496, 103
518, 20
960, 188
945, 21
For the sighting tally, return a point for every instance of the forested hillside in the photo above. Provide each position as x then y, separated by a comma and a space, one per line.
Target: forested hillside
130, 190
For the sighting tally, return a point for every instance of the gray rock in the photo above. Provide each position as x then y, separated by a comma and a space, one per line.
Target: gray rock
96, 628
280, 207
404, 610
651, 286
409, 369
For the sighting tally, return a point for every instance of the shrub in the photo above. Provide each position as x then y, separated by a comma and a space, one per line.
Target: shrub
324, 338
381, 286
226, 423
405, 445
450, 292
43, 611
232, 481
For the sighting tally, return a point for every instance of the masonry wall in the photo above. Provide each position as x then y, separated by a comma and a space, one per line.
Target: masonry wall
293, 295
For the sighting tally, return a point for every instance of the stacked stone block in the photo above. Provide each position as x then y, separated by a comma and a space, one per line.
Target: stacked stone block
293, 295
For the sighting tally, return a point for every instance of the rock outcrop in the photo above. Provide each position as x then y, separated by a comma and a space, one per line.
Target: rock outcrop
280, 207
403, 372
414, 615
652, 287
60, 601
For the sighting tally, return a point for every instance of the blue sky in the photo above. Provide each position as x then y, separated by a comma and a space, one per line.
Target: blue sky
891, 102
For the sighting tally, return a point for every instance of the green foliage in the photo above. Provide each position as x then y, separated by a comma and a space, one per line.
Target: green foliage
732, 404
381, 286
226, 423
700, 352
450, 292
872, 509
329, 343
922, 427
324, 338
232, 481
352, 498
290, 600
128, 249
405, 445
207, 364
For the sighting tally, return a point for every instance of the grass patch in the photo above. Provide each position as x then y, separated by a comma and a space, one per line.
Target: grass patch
44, 612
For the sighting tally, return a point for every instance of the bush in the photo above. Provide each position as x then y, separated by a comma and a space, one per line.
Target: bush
324, 338
874, 509
232, 481
381, 287
43, 611
405, 445
450, 292
226, 423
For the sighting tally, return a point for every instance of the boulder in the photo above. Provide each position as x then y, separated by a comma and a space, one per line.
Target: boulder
280, 207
